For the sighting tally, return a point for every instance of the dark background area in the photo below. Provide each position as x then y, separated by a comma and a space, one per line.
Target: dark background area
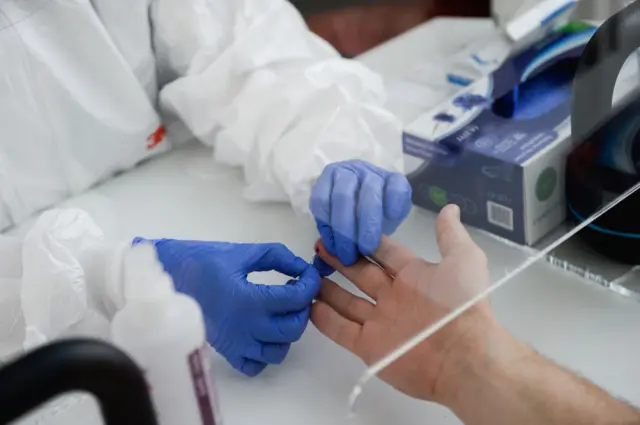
355, 26
454, 7
309, 6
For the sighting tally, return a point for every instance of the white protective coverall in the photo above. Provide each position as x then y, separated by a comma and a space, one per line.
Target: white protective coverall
92, 87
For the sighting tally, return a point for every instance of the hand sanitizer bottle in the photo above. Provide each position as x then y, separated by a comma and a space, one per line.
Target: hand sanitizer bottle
163, 331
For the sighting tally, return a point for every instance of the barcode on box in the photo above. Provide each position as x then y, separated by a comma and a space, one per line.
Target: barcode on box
500, 216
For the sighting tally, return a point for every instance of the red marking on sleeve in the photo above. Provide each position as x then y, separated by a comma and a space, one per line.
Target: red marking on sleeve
156, 137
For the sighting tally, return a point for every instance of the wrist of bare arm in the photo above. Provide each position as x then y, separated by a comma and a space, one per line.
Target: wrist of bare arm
473, 360
499, 380
470, 357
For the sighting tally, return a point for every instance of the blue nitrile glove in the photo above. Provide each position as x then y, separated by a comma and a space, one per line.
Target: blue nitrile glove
251, 325
354, 203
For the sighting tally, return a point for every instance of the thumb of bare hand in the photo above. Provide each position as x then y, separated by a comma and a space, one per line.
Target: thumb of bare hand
450, 232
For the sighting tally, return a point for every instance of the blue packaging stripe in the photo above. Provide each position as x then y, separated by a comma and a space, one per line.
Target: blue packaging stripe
602, 229
459, 80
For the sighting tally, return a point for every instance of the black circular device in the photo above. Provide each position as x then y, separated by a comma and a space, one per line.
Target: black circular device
600, 129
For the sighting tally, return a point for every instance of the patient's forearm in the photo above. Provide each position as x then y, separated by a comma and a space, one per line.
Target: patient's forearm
511, 384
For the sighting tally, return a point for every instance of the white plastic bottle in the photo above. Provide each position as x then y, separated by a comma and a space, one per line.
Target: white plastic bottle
164, 332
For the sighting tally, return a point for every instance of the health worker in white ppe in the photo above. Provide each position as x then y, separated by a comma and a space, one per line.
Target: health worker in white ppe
89, 88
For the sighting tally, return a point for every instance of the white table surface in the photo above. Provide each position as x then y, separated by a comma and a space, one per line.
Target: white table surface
182, 195
439, 38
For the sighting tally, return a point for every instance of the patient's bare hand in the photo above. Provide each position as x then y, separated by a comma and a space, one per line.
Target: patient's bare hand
410, 294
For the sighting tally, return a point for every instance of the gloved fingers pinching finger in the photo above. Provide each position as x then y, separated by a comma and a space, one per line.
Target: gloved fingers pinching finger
247, 367
397, 198
294, 296
320, 206
269, 353
326, 233
370, 214
277, 257
323, 268
319, 264
252, 368
344, 216
283, 328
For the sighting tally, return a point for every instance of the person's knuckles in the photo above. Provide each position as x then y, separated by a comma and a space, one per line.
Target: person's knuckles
301, 266
275, 353
330, 259
368, 244
343, 196
344, 232
275, 252
259, 298
323, 268
327, 237
352, 164
345, 172
348, 253
398, 197
371, 231
251, 368
235, 361
398, 208
296, 329
372, 168
308, 284
287, 329
320, 206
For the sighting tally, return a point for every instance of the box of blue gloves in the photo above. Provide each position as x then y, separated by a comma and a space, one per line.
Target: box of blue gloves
498, 147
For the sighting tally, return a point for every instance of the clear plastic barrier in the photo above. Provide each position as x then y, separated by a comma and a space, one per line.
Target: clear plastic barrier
597, 176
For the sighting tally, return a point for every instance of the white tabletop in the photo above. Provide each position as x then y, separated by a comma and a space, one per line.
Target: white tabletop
439, 38
579, 325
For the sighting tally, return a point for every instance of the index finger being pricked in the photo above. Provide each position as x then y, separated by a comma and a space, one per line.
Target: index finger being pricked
336, 327
367, 276
392, 256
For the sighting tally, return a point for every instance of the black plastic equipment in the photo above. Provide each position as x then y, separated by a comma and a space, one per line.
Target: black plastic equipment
590, 185
77, 365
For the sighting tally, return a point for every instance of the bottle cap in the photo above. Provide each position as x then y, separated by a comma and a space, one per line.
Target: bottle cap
145, 281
